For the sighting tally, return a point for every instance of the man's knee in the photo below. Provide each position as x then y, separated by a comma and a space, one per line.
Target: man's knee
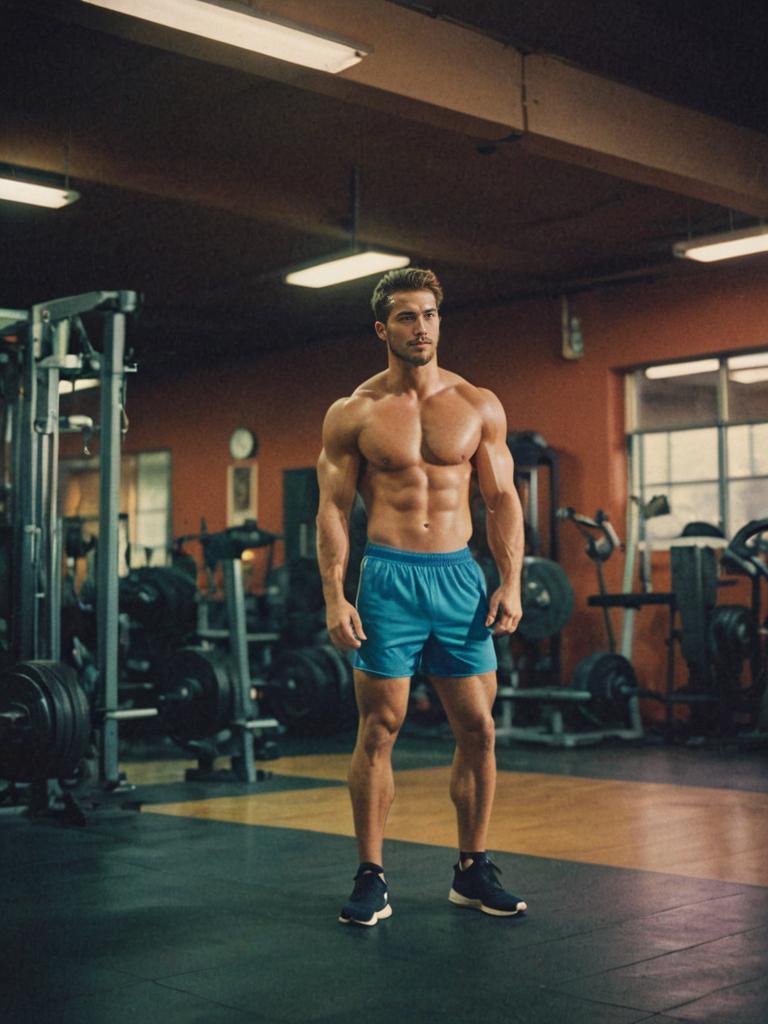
379, 730
477, 734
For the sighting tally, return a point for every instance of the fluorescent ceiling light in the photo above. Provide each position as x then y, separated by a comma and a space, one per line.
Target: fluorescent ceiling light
16, 191
66, 387
682, 369
239, 25
747, 362
346, 268
754, 376
11, 316
710, 248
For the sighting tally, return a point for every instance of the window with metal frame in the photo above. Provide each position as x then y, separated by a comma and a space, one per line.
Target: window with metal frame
145, 503
698, 433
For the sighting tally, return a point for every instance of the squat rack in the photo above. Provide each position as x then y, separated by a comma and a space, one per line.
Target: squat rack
53, 346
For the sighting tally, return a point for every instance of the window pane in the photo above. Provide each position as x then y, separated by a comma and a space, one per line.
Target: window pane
656, 458
693, 455
748, 450
676, 401
152, 532
748, 499
154, 480
688, 503
748, 387
694, 503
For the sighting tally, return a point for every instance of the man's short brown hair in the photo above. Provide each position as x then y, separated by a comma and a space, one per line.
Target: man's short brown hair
409, 279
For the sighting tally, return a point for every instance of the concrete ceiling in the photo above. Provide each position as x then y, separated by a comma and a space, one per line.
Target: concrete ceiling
517, 148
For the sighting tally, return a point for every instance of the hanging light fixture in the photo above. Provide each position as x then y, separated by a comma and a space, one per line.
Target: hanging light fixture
749, 369
346, 268
239, 25
686, 369
725, 246
35, 188
356, 262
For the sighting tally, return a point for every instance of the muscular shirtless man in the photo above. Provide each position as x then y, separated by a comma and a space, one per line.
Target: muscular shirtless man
408, 440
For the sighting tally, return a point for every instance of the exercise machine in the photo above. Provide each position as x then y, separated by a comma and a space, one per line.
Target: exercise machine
41, 710
602, 699
52, 738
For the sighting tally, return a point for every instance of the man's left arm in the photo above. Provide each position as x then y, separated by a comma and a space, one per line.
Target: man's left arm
504, 519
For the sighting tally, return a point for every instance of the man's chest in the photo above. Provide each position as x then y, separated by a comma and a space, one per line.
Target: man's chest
398, 433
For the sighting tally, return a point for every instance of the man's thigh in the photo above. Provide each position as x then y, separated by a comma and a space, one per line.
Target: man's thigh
467, 700
382, 697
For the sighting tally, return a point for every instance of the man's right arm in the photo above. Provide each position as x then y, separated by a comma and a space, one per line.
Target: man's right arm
337, 471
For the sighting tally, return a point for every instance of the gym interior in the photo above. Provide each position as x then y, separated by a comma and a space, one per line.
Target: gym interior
175, 726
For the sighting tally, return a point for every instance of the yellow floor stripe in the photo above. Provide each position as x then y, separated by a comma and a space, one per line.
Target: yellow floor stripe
719, 834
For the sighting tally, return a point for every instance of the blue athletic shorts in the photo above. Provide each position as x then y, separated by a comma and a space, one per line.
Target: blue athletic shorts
423, 612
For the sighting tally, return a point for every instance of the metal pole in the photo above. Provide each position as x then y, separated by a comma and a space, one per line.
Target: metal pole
723, 415
26, 529
107, 582
633, 534
47, 426
238, 645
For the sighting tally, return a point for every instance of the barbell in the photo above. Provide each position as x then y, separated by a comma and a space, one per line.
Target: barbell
196, 693
610, 679
310, 690
45, 721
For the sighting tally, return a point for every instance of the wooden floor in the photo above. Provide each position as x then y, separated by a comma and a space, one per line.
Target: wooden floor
694, 831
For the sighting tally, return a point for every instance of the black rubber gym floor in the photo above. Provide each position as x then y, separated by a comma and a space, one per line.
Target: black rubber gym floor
147, 917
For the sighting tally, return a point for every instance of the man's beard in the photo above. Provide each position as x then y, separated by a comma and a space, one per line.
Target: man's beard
413, 358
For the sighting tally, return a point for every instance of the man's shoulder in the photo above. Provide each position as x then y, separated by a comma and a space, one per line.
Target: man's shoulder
348, 412
482, 398
370, 390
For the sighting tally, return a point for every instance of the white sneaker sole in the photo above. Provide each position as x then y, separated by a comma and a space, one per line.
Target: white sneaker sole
378, 915
464, 901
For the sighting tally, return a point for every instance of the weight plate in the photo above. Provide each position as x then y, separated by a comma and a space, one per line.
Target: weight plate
547, 598
303, 690
55, 735
81, 720
160, 598
24, 756
61, 710
731, 638
345, 689
196, 693
610, 679
49, 746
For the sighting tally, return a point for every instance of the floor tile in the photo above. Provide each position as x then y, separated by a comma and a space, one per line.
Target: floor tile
738, 1004
164, 919
144, 1002
669, 980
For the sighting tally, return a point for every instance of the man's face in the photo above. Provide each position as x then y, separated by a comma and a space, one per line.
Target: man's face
412, 330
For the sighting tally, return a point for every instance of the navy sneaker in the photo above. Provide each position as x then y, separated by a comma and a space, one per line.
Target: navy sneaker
478, 886
369, 902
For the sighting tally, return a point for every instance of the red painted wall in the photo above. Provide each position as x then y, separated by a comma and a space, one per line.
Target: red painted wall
515, 350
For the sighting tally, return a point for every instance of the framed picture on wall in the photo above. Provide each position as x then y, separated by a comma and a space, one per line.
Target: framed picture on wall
242, 493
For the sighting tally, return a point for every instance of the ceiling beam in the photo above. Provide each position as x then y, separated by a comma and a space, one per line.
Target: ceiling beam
419, 68
582, 119
433, 71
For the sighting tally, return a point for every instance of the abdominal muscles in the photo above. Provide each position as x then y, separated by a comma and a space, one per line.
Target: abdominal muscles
418, 508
